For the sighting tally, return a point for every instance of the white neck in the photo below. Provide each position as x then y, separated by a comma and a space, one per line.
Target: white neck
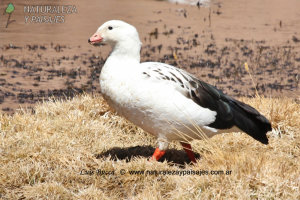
126, 50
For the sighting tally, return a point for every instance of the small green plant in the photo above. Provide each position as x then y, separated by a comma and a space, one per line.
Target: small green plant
9, 10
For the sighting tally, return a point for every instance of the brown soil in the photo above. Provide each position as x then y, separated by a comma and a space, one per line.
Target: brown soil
42, 60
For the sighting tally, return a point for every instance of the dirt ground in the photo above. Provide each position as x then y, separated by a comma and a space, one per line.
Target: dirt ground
38, 60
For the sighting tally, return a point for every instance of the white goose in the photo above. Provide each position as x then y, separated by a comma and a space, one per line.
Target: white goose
164, 100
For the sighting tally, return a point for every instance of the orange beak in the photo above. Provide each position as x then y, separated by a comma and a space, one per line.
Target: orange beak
96, 38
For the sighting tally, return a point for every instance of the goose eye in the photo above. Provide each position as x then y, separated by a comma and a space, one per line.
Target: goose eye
110, 28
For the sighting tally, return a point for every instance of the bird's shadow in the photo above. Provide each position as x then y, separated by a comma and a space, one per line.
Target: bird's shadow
172, 156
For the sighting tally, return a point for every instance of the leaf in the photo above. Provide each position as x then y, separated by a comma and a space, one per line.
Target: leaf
10, 8
246, 67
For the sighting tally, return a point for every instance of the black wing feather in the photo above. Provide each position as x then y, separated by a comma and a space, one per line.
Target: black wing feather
230, 112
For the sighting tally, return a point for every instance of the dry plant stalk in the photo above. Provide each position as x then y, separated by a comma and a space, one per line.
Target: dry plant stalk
254, 85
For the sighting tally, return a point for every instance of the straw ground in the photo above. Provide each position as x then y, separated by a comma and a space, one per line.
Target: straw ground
51, 153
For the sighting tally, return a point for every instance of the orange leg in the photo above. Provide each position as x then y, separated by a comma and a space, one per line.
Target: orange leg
188, 149
158, 154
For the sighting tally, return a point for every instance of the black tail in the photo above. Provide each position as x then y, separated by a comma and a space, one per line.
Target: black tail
250, 121
231, 112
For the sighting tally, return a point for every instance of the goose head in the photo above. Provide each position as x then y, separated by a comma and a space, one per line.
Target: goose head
122, 36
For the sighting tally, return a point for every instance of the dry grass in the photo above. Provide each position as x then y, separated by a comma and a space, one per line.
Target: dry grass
42, 154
